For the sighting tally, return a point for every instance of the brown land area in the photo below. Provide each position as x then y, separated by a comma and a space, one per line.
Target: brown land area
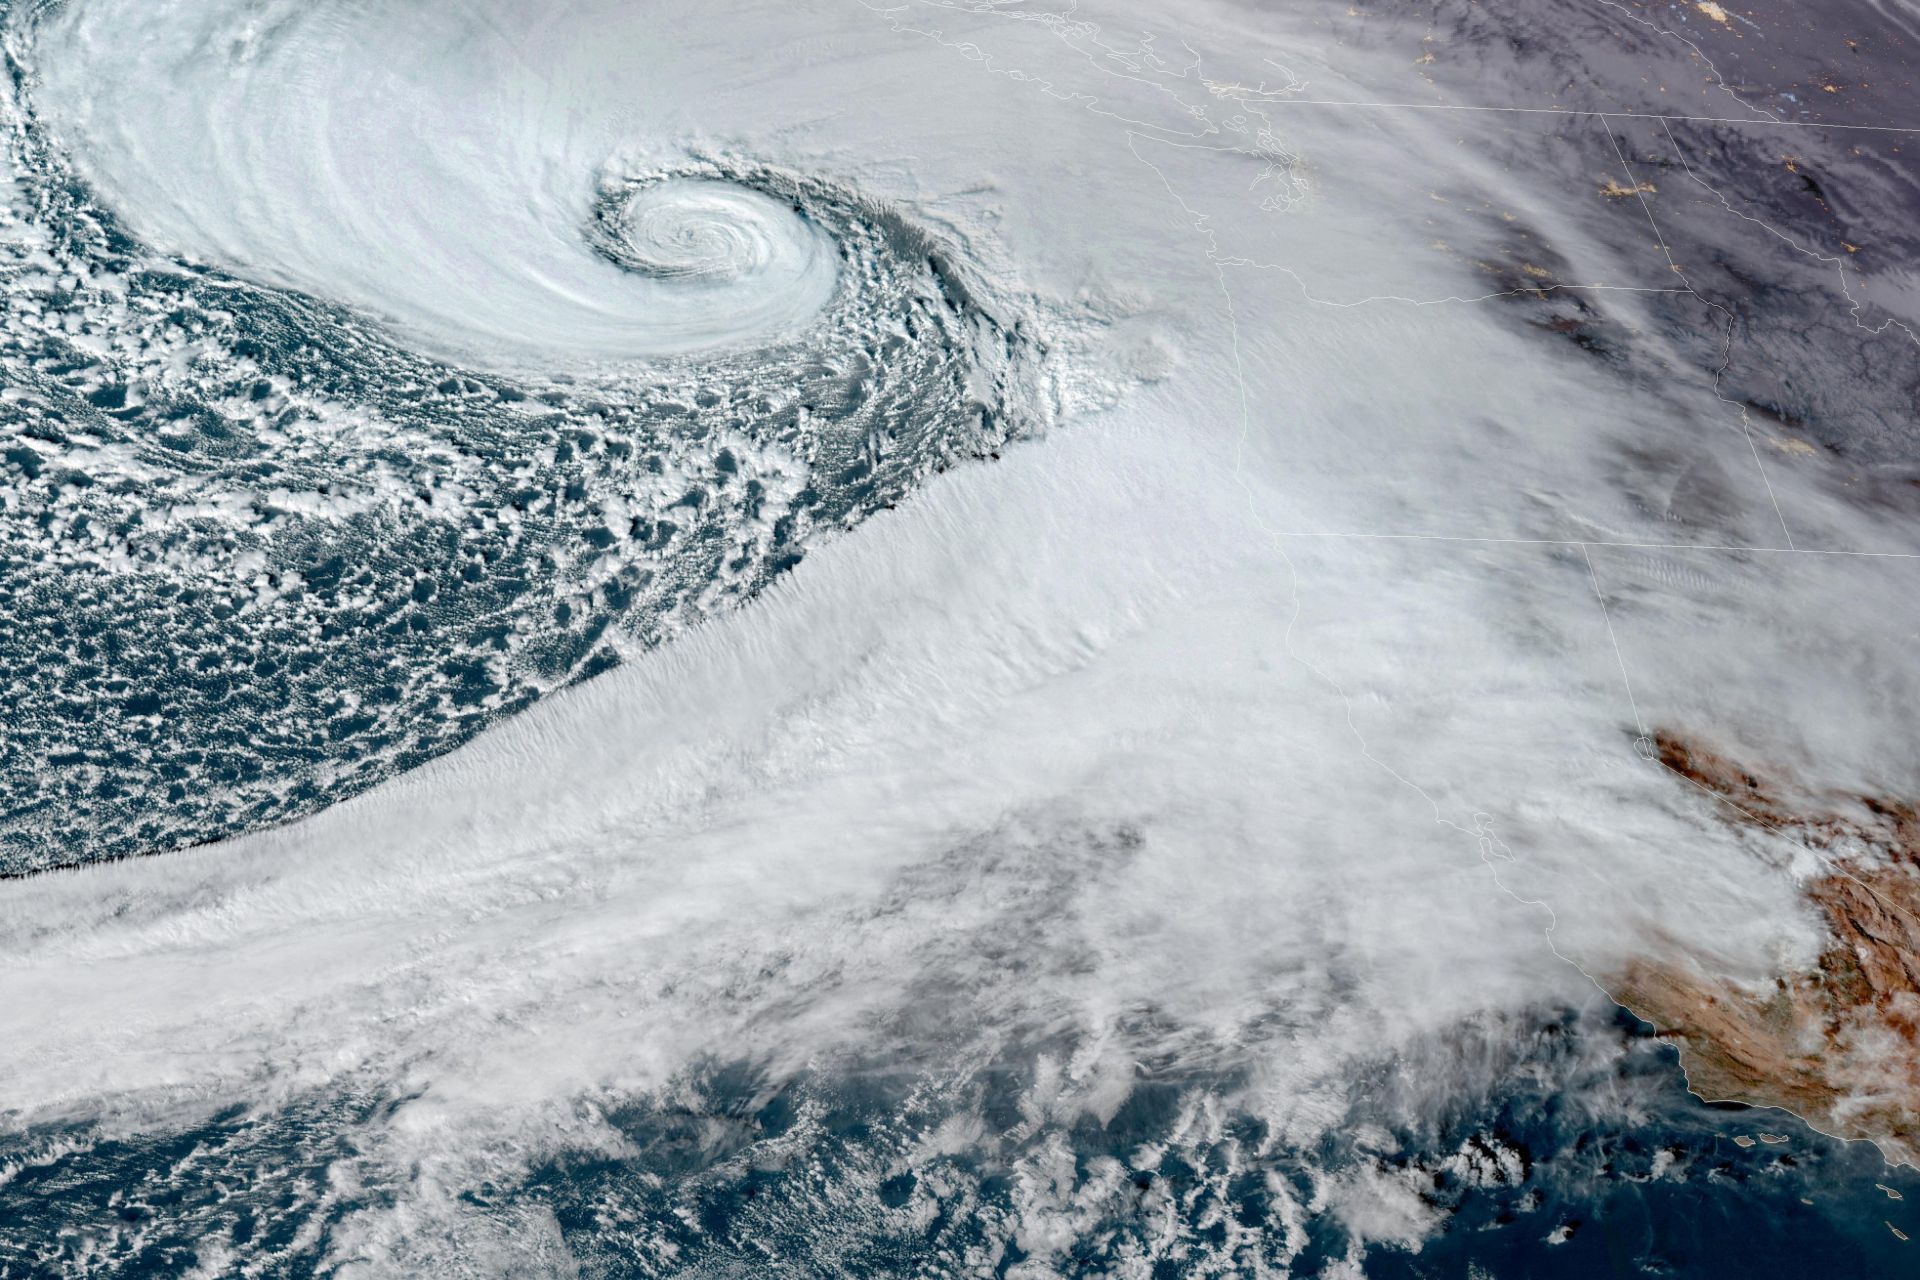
1838, 1043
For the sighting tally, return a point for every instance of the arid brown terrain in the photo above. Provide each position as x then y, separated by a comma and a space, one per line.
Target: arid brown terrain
1838, 1043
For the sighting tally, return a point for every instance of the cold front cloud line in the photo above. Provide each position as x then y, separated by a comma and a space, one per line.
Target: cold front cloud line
953, 639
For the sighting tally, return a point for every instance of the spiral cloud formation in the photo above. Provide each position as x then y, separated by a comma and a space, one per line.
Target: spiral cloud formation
950, 637
713, 233
488, 429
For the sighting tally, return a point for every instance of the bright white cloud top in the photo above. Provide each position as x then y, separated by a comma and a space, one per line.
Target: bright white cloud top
1271, 720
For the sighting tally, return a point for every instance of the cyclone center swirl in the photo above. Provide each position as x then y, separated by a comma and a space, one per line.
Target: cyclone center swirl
701, 230
262, 550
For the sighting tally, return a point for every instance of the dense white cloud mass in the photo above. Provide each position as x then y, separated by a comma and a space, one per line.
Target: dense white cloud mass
435, 166
1274, 712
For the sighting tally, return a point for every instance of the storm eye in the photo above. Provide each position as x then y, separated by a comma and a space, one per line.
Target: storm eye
702, 231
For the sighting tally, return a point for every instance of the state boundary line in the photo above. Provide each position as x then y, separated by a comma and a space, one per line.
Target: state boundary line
1581, 111
1594, 542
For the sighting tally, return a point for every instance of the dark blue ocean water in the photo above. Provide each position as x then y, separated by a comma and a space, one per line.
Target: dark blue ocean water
230, 598
1569, 1164
256, 555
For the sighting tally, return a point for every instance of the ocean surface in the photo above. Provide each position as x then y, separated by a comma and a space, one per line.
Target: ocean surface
939, 638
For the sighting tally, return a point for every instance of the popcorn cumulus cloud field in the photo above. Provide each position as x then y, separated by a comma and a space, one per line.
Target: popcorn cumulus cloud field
954, 638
